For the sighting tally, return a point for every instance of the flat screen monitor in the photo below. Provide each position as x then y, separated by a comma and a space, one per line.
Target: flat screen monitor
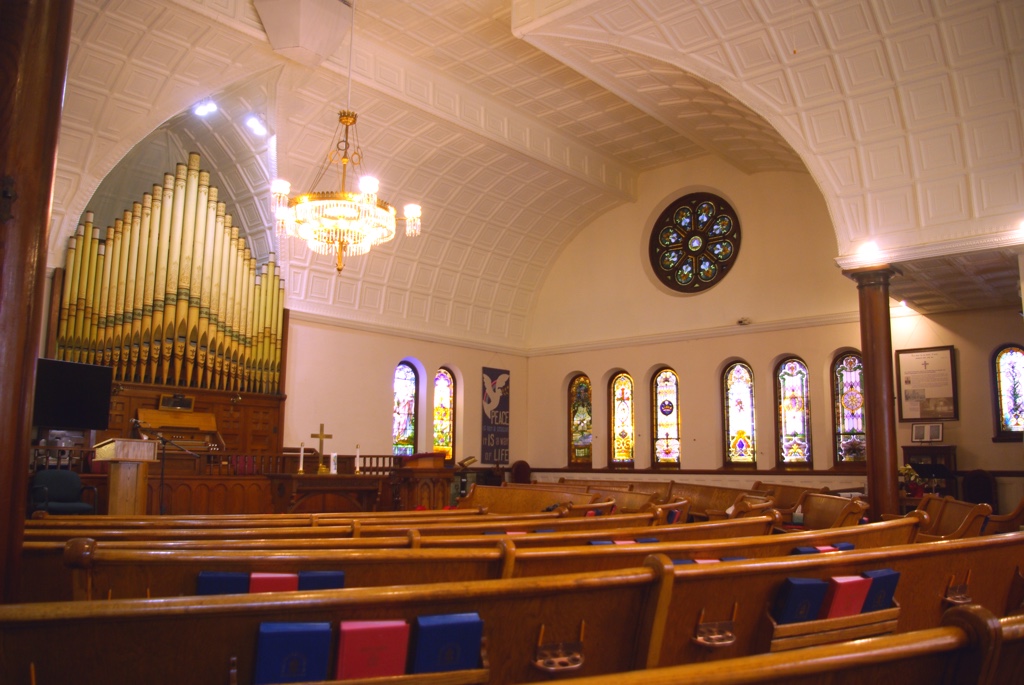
72, 396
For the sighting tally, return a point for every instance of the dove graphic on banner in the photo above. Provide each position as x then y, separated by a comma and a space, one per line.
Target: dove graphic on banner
495, 423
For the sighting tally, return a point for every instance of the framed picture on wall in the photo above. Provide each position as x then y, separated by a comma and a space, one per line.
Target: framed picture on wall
926, 379
926, 432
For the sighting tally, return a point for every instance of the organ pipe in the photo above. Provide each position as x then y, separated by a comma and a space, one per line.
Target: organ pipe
170, 294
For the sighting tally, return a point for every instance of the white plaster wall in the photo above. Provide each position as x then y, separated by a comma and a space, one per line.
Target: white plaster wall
602, 287
600, 312
343, 378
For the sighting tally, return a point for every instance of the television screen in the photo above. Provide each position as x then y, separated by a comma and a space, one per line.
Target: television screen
72, 396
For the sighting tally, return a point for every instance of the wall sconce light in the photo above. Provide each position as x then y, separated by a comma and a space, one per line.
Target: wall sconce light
235, 399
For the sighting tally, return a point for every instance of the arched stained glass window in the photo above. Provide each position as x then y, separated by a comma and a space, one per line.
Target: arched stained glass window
793, 417
622, 428
444, 413
738, 401
848, 401
1008, 372
403, 427
665, 411
581, 422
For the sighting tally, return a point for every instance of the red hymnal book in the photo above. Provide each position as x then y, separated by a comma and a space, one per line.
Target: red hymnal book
367, 649
273, 582
845, 596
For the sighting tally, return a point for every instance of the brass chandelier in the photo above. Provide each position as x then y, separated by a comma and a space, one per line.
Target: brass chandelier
341, 222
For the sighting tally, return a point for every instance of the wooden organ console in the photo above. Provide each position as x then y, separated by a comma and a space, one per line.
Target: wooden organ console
195, 432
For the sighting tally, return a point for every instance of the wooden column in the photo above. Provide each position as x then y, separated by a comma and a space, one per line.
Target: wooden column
879, 400
34, 40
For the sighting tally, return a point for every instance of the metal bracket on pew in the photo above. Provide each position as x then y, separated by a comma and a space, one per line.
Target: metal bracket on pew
715, 634
558, 657
958, 594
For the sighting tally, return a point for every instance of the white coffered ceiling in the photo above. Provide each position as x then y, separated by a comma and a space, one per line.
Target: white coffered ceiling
516, 122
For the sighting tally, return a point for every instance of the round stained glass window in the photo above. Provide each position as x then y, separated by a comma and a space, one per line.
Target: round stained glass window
694, 242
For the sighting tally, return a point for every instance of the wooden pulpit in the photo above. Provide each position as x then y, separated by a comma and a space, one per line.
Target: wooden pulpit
129, 473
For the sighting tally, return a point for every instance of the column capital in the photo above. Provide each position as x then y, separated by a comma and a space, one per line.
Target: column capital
876, 275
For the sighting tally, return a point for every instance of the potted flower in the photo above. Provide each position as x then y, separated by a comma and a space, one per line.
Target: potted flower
911, 481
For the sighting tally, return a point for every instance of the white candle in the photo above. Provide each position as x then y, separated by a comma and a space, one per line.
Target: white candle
359, 467
302, 456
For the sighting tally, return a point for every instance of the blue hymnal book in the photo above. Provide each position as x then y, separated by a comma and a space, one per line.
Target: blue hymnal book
222, 583
806, 550
601, 542
292, 652
799, 599
844, 546
446, 642
734, 558
883, 588
321, 580
648, 540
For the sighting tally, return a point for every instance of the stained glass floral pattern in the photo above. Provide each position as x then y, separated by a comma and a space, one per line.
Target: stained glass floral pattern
1009, 376
848, 400
665, 393
738, 394
623, 434
694, 242
792, 396
444, 412
581, 422
403, 426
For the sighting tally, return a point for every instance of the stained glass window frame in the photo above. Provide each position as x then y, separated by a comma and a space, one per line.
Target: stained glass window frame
1001, 410
694, 242
849, 444
663, 446
396, 448
448, 448
622, 420
584, 458
749, 442
792, 407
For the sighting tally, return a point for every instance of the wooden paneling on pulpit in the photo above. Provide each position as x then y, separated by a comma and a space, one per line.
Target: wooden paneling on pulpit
129, 473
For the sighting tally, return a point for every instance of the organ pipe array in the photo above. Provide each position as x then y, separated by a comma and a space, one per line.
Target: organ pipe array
170, 294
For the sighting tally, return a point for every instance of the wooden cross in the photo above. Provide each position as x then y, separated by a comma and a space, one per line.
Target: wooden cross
321, 435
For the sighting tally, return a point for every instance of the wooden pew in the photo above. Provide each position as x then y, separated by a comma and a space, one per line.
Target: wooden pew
713, 498
962, 650
196, 639
99, 570
933, 577
505, 499
1005, 523
649, 518
1010, 663
957, 519
785, 496
338, 528
950, 518
45, 576
740, 591
50, 521
821, 510
534, 561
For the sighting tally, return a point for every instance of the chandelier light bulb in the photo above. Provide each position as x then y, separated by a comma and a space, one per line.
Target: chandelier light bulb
369, 185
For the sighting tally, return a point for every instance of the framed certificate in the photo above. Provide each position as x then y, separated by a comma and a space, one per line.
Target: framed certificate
926, 384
